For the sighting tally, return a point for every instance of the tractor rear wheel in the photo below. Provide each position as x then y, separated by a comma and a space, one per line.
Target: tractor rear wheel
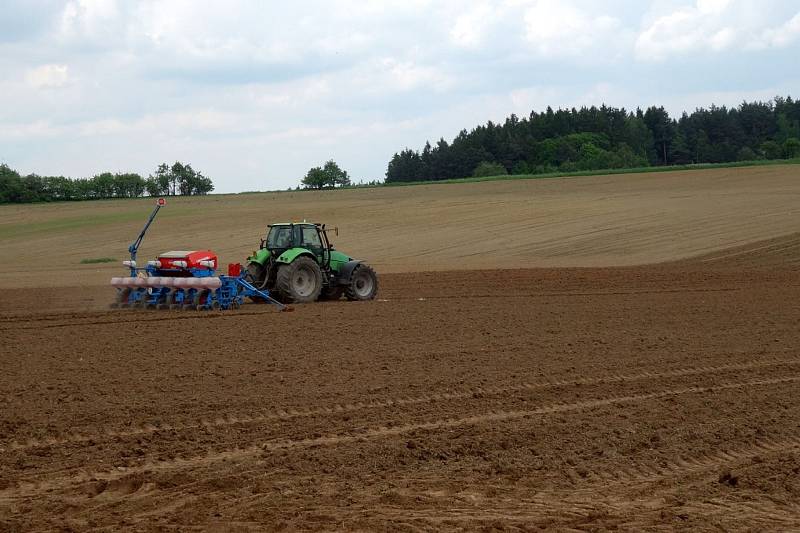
300, 281
363, 283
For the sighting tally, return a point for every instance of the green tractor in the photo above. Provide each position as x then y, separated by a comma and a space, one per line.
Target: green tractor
298, 264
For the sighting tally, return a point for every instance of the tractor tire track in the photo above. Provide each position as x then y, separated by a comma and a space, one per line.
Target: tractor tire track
378, 432
704, 462
577, 504
617, 501
293, 413
763, 513
519, 295
567, 512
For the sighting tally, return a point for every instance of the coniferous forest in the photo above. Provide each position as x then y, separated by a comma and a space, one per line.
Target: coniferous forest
595, 138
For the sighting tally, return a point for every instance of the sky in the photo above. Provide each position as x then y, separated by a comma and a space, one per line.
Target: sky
254, 93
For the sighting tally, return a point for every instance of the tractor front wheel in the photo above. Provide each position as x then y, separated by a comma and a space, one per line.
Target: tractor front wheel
363, 284
300, 281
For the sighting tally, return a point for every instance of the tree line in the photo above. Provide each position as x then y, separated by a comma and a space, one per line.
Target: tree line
329, 175
593, 138
167, 180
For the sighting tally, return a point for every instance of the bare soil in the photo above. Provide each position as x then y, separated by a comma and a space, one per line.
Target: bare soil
645, 398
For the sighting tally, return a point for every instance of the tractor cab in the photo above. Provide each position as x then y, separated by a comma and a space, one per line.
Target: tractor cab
280, 237
312, 237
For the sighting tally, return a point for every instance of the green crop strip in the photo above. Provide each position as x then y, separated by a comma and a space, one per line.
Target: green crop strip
98, 260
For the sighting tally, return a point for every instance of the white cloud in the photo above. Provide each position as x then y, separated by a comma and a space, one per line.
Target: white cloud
716, 26
407, 75
90, 20
47, 76
679, 32
470, 27
712, 7
722, 39
559, 28
778, 37
34, 130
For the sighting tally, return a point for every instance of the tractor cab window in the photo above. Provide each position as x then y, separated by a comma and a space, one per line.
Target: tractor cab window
279, 237
310, 238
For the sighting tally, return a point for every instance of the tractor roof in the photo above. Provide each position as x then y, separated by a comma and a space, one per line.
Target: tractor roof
293, 223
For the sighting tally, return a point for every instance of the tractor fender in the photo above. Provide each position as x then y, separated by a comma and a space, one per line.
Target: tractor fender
347, 271
260, 257
293, 253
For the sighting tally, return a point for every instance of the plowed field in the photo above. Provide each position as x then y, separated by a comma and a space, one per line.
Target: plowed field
574, 398
606, 397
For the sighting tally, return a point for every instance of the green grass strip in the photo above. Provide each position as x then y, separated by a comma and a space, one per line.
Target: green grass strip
602, 172
98, 260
